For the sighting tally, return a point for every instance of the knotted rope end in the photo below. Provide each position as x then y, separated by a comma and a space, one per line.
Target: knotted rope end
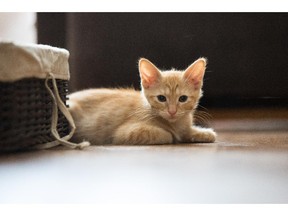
83, 145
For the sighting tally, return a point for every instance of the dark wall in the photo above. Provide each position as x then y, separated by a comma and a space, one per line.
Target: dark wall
52, 29
247, 52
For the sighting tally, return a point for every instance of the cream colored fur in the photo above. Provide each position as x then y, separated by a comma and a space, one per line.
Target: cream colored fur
130, 117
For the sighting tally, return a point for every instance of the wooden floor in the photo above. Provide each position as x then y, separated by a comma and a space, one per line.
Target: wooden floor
247, 164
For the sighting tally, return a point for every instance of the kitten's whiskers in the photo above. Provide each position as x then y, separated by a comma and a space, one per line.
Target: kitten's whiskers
202, 118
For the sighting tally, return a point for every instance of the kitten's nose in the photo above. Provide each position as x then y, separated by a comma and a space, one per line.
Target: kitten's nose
172, 112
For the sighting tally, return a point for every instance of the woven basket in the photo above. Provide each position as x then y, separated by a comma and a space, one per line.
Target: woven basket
29, 108
25, 113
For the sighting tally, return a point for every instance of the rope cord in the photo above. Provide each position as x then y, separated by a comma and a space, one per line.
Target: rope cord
58, 103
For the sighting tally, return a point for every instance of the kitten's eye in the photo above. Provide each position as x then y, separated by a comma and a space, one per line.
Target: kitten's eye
183, 98
161, 98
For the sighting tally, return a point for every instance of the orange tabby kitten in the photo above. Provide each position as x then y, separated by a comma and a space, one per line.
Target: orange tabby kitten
162, 113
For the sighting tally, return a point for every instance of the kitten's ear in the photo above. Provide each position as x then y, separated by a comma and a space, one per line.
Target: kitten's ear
195, 72
149, 73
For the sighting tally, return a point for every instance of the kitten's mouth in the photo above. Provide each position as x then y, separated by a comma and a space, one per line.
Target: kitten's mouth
171, 118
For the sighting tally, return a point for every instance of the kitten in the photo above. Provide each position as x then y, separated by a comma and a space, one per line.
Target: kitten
161, 113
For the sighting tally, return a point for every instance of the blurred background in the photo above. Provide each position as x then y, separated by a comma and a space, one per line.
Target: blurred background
247, 52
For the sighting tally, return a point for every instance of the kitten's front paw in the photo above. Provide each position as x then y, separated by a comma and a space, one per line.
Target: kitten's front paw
206, 135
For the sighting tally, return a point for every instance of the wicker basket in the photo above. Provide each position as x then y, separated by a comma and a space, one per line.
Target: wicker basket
25, 113
26, 106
